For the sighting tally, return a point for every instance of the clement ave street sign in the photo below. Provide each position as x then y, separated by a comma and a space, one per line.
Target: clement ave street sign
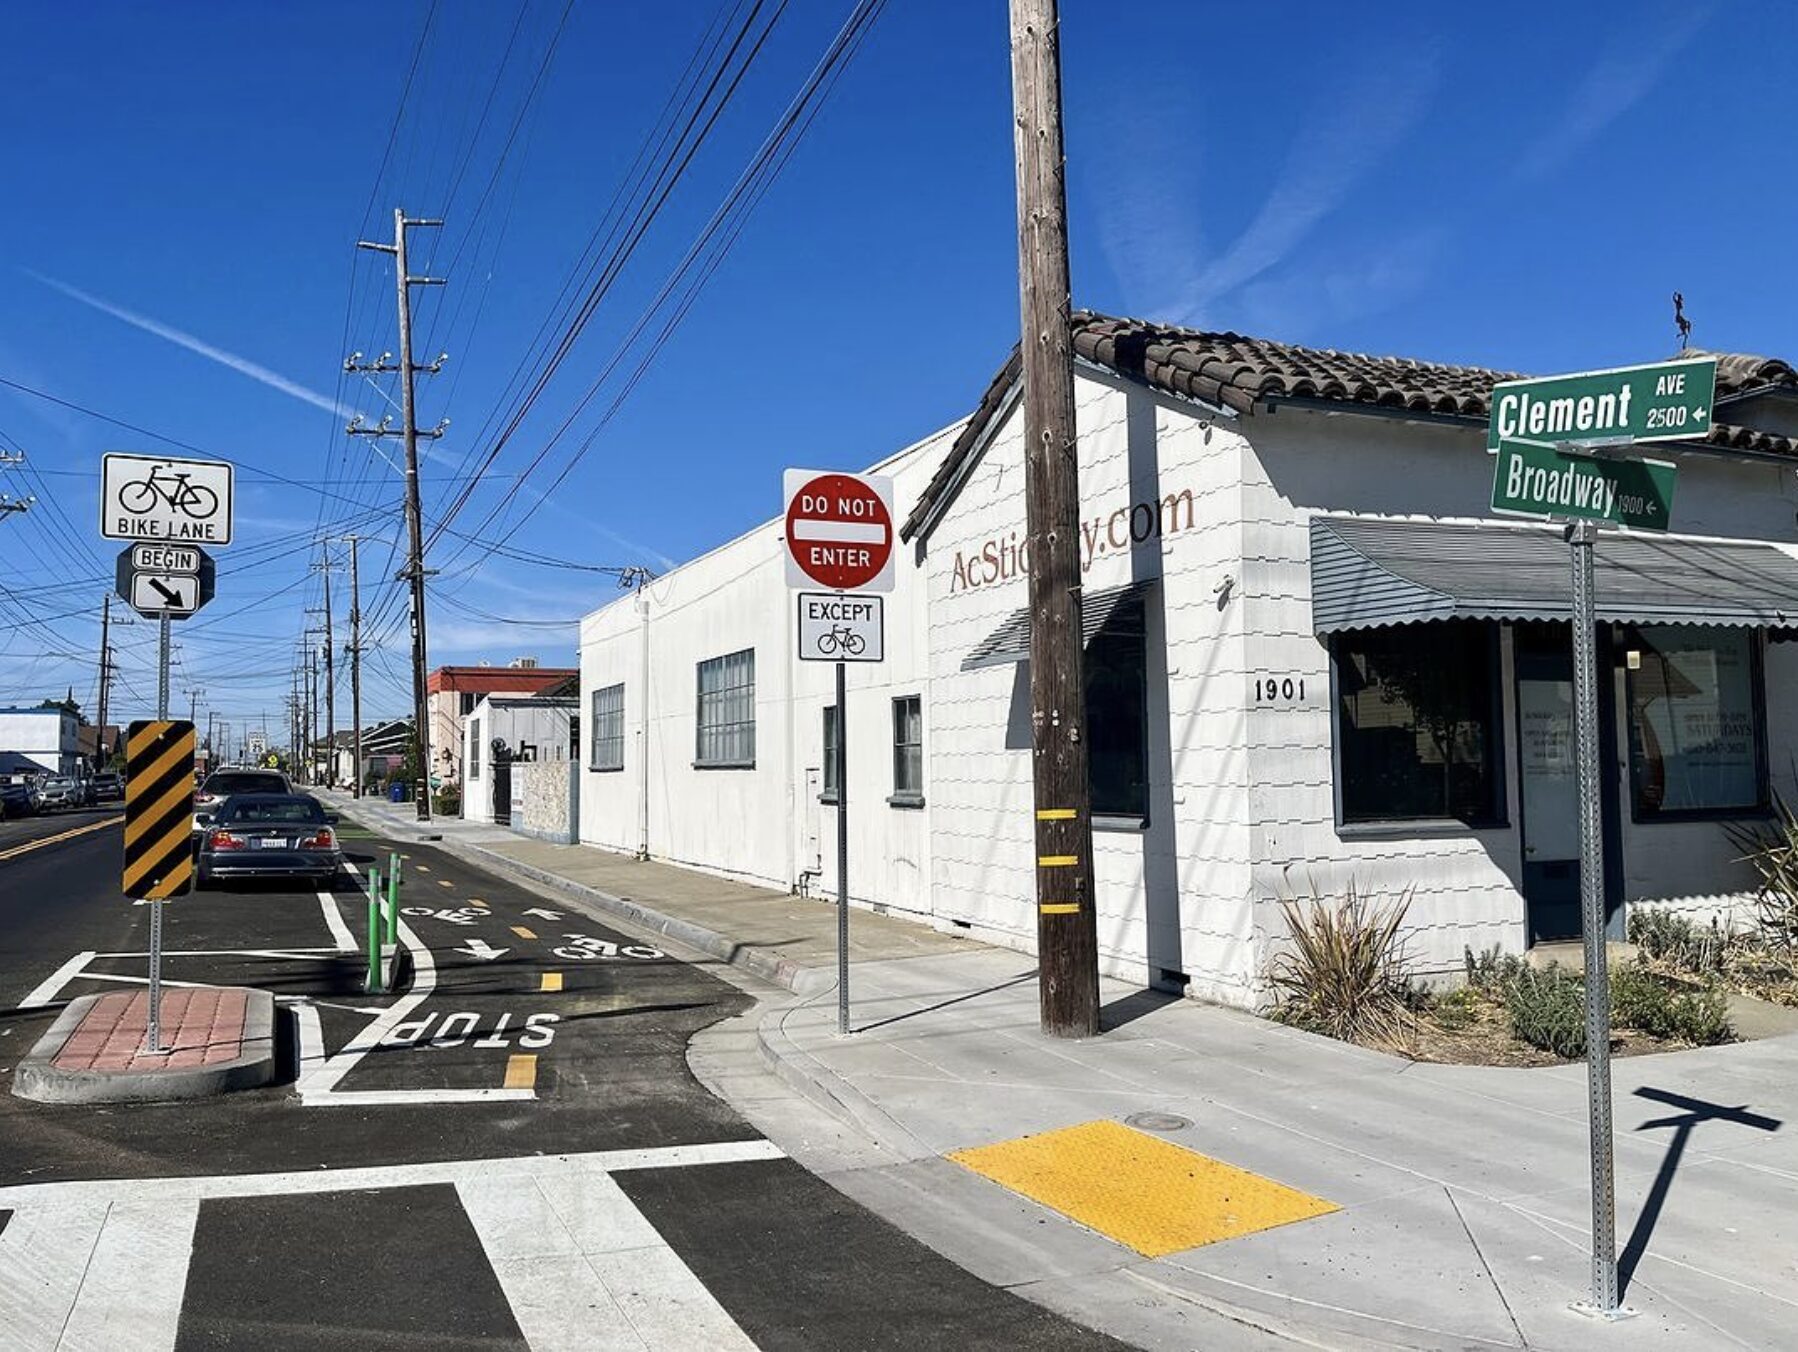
839, 531
1667, 401
1532, 480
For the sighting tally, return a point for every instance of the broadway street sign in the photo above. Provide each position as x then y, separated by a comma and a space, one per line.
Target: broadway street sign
1668, 401
1532, 480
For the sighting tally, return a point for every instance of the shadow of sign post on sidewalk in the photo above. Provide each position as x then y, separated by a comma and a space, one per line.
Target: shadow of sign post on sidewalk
1691, 1113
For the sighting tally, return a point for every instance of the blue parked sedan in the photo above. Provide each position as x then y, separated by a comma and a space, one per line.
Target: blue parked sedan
269, 835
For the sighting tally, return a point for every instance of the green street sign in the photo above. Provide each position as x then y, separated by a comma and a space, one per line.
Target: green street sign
1667, 401
1542, 481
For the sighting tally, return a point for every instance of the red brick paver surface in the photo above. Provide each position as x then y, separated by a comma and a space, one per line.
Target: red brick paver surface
201, 1026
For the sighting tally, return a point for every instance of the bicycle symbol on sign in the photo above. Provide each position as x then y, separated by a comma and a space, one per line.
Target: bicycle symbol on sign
195, 501
841, 637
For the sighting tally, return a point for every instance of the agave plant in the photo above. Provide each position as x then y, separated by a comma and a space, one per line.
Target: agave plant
1344, 971
1772, 852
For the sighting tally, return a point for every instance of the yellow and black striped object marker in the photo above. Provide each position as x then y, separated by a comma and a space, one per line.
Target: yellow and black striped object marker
159, 808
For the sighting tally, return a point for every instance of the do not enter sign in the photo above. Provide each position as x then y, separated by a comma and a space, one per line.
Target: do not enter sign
839, 530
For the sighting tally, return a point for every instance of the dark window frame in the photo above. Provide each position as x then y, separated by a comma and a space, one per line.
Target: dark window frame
1757, 695
1109, 815
907, 795
701, 761
1498, 815
830, 729
598, 738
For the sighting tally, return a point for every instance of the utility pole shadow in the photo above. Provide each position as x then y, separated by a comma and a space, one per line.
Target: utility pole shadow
1691, 1113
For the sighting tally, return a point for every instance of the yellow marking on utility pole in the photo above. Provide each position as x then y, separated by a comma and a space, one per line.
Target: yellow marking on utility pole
521, 1071
1060, 908
551, 981
1057, 860
523, 933
1056, 814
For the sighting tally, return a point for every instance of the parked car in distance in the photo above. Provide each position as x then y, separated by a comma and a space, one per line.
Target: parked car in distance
269, 835
223, 784
17, 800
108, 788
66, 791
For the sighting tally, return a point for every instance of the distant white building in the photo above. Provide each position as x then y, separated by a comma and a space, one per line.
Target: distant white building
506, 731
50, 737
1314, 659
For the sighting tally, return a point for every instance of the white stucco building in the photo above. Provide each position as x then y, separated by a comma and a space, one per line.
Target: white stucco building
50, 737
1314, 659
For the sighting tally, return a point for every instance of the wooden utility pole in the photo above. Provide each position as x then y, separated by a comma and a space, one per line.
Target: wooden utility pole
414, 572
1066, 928
100, 755
324, 565
355, 652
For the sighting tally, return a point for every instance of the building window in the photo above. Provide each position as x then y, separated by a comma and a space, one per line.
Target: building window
607, 731
466, 702
1117, 716
474, 749
726, 734
908, 751
1417, 713
1695, 725
832, 731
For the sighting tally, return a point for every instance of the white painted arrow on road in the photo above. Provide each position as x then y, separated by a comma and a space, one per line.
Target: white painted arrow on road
479, 948
547, 915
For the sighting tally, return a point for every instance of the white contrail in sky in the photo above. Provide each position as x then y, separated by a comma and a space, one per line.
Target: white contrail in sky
242, 365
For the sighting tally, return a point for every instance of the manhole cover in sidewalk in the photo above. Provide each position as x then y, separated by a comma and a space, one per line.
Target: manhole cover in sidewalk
1157, 1121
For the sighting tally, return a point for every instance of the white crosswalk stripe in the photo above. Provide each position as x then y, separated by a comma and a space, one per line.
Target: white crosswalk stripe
102, 1265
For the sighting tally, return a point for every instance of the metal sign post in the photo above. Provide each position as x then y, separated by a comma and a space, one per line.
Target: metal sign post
162, 711
1549, 437
839, 534
1581, 537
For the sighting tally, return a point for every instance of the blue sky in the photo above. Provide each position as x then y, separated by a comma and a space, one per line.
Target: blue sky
186, 183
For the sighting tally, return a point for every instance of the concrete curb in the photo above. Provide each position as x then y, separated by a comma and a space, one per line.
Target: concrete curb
809, 1077
39, 1080
769, 966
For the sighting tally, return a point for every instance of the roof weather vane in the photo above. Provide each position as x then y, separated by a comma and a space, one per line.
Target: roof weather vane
1680, 321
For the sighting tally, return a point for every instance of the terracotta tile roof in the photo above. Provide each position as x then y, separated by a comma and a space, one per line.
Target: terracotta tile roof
1229, 370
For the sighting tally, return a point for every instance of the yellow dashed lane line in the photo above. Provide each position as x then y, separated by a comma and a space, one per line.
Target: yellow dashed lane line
521, 1071
552, 981
523, 933
31, 845
1143, 1192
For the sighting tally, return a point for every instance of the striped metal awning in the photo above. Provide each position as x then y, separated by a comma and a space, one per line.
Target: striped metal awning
1370, 571
1113, 609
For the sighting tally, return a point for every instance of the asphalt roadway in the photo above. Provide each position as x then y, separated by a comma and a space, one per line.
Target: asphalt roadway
508, 1152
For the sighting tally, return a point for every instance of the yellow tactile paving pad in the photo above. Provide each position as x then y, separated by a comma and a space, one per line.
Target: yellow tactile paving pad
1141, 1191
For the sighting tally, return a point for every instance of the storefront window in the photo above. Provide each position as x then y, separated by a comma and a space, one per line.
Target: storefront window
1116, 717
1695, 739
1417, 723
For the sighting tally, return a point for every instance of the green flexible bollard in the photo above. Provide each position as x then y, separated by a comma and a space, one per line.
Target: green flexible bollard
393, 900
374, 930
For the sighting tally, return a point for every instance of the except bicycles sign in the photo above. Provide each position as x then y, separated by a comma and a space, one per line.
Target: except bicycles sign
150, 497
839, 530
834, 627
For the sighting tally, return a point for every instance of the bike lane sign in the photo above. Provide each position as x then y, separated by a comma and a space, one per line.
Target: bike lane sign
841, 627
154, 498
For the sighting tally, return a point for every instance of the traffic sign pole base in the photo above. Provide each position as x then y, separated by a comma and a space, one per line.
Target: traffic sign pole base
1591, 1311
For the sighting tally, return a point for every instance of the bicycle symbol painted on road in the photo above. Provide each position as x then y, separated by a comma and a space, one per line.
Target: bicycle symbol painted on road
195, 501
460, 916
842, 637
582, 948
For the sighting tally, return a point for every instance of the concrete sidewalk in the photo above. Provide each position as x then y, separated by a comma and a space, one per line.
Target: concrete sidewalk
1462, 1192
